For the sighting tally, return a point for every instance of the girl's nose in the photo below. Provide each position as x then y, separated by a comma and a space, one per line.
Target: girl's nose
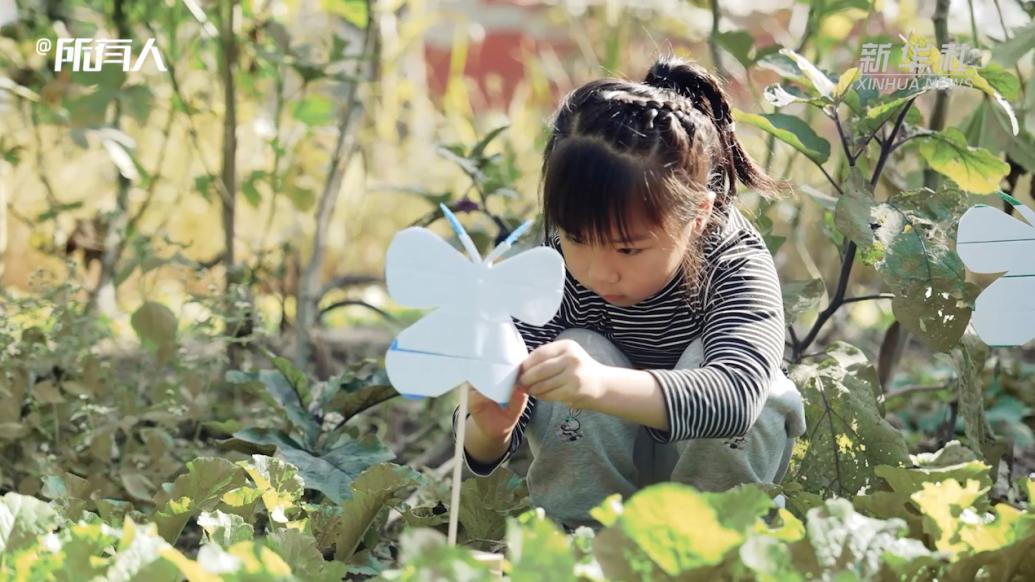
601, 272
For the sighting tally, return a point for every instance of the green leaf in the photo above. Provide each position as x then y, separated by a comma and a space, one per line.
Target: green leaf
847, 434
678, 529
279, 483
314, 110
225, 529
817, 78
909, 240
303, 199
300, 550
22, 518
844, 83
156, 325
801, 296
1003, 81
790, 130
737, 43
974, 169
1009, 52
538, 550
844, 540
284, 395
479, 149
486, 502
295, 378
353, 11
377, 486
200, 489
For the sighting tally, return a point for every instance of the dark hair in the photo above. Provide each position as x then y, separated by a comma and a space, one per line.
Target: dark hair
663, 143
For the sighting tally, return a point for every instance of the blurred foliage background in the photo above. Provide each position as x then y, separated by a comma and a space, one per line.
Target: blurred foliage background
171, 236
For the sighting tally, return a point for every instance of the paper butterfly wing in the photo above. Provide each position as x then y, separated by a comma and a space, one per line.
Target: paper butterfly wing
991, 241
529, 285
422, 270
451, 345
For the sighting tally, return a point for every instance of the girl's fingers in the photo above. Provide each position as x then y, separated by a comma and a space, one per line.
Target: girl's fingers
547, 386
541, 371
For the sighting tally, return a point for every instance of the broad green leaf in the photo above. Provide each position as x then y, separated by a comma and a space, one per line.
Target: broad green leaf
372, 490
942, 503
847, 435
790, 130
156, 325
486, 502
200, 489
969, 359
737, 43
307, 563
974, 169
677, 528
225, 529
842, 539
908, 239
141, 554
22, 518
895, 500
1021, 41
801, 296
1003, 547
329, 471
425, 550
285, 395
1003, 81
279, 483
818, 78
243, 561
538, 550
295, 378
780, 95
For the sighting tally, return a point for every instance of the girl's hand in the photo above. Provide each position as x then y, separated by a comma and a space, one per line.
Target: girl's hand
493, 421
562, 371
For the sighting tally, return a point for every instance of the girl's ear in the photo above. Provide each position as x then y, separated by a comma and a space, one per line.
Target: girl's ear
704, 213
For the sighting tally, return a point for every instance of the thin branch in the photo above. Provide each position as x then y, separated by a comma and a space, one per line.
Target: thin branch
868, 297
848, 258
844, 138
908, 390
349, 281
347, 302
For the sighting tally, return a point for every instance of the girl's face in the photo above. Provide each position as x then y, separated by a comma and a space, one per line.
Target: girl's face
625, 272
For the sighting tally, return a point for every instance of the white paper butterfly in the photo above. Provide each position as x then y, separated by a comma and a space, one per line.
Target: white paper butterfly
991, 241
470, 336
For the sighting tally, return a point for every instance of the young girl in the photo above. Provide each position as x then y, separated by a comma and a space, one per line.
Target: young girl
664, 359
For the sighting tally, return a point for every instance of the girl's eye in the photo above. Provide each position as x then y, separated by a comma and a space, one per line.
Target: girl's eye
629, 252
574, 239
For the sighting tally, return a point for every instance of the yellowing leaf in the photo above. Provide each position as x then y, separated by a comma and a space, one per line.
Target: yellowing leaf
976, 170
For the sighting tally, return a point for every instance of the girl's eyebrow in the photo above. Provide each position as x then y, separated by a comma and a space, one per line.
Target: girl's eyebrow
631, 240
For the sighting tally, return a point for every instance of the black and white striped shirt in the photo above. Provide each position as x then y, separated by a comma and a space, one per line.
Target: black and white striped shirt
738, 313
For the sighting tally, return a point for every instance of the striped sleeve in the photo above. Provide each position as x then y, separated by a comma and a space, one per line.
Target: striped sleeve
743, 340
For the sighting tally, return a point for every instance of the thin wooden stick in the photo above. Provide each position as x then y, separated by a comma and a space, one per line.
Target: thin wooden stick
458, 465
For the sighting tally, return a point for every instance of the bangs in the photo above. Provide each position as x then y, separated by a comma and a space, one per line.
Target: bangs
589, 191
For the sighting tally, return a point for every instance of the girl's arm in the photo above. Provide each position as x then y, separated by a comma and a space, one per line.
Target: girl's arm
743, 339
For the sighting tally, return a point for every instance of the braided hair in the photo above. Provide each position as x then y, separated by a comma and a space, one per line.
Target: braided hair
662, 145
